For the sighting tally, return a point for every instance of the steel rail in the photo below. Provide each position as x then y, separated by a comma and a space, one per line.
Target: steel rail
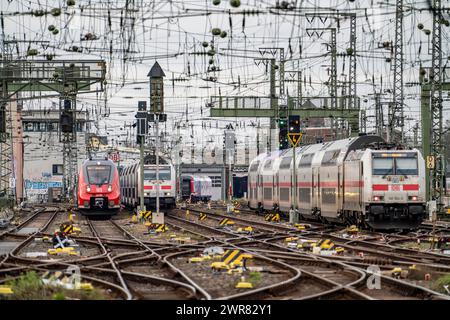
113, 264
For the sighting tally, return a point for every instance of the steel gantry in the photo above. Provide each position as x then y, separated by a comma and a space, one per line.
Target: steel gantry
67, 79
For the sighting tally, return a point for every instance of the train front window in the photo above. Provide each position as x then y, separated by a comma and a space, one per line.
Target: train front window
151, 175
395, 164
383, 166
98, 174
406, 166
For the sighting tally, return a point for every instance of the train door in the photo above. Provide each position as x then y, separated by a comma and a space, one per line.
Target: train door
135, 185
275, 188
258, 189
360, 185
342, 188
339, 188
317, 193
313, 190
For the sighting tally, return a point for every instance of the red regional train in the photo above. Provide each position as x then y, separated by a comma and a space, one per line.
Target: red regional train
98, 191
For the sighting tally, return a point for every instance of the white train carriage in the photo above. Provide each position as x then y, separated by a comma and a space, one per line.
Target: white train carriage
284, 178
253, 181
130, 180
307, 183
269, 180
127, 178
350, 180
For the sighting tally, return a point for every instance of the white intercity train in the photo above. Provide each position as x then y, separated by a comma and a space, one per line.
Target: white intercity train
360, 180
129, 185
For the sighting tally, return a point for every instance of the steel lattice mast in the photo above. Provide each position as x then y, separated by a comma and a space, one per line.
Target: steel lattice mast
352, 70
437, 148
397, 118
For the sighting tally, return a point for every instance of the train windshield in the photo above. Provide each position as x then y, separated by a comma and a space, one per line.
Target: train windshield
395, 164
383, 166
406, 166
164, 174
99, 174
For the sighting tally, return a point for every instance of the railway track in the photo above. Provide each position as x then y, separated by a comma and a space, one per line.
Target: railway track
392, 258
132, 265
384, 250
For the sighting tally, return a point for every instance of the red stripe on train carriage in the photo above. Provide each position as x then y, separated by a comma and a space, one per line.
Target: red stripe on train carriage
354, 183
148, 187
380, 187
285, 184
304, 184
166, 187
410, 187
328, 184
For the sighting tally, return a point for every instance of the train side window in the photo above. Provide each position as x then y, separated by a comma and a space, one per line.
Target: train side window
306, 160
268, 164
330, 157
267, 193
254, 166
286, 163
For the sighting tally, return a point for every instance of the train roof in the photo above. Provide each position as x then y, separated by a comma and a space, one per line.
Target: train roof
98, 161
345, 145
196, 176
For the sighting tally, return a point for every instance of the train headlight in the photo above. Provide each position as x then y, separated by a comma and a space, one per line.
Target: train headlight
109, 188
377, 198
413, 198
168, 193
86, 204
111, 203
88, 188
